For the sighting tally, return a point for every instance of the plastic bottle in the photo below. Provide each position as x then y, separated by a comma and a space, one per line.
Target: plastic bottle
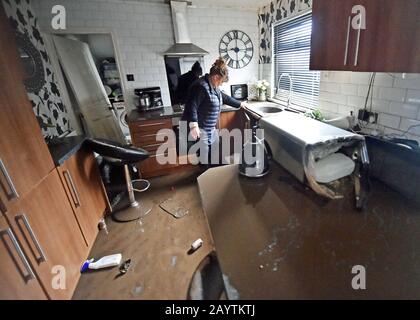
105, 262
196, 244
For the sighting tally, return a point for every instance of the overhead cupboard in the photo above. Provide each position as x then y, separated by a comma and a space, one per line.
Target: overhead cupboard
366, 35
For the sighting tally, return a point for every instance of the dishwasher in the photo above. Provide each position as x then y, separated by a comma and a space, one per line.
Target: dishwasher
318, 154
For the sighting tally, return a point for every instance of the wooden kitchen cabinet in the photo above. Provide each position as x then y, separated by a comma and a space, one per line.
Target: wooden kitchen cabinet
45, 225
17, 276
145, 134
231, 120
24, 156
82, 181
388, 44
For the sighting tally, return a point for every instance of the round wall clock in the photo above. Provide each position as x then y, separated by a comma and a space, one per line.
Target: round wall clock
236, 48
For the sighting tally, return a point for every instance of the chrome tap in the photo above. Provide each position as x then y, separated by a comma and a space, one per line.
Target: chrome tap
289, 99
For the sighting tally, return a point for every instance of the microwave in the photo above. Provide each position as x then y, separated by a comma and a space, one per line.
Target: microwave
239, 91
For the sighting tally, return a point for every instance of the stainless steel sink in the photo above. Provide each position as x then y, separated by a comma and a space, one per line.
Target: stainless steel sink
269, 109
265, 110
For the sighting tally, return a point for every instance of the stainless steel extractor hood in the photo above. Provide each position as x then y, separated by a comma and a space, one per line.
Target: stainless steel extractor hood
183, 45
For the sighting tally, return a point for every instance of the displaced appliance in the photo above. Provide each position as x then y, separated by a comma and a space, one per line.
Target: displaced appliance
318, 153
256, 153
149, 98
121, 114
239, 91
183, 45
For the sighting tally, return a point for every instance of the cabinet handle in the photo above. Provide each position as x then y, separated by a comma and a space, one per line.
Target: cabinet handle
19, 251
356, 59
346, 53
3, 208
68, 178
150, 124
42, 257
9, 181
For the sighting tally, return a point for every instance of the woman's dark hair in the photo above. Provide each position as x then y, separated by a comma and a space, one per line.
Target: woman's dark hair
220, 68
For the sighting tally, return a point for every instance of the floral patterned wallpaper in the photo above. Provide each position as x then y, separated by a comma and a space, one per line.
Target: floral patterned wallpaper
47, 104
277, 10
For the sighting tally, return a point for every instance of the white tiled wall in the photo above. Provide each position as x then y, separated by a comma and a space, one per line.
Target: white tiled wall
397, 100
142, 31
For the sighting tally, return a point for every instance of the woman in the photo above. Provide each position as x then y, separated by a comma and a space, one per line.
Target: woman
202, 109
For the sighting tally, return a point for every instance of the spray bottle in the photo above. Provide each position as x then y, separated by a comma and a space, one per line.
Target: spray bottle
105, 262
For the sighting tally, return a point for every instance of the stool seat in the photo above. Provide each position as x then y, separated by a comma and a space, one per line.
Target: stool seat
126, 154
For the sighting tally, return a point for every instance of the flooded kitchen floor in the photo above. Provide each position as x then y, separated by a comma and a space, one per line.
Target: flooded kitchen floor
161, 267
384, 236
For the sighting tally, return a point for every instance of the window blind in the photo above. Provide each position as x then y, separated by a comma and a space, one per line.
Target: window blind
292, 49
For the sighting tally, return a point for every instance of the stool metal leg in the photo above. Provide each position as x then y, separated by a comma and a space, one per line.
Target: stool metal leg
133, 202
134, 211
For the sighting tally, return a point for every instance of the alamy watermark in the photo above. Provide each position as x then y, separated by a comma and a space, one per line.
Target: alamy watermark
212, 148
58, 22
359, 280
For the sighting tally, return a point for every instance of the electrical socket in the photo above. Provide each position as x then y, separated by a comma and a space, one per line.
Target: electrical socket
368, 116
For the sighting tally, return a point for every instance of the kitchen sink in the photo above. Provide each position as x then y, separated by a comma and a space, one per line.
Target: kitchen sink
264, 110
268, 109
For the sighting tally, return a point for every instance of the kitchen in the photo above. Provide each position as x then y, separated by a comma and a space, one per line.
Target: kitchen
334, 190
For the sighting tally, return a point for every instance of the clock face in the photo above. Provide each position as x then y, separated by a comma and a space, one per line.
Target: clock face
236, 48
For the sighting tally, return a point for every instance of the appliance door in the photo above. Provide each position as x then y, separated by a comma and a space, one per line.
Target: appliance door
85, 82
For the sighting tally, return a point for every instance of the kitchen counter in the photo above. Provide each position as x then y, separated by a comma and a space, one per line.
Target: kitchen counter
164, 113
63, 148
276, 239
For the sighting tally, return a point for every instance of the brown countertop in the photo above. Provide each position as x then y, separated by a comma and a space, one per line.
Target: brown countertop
276, 239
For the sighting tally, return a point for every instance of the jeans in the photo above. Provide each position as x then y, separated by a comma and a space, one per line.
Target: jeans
208, 154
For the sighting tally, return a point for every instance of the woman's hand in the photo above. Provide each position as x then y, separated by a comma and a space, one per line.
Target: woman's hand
194, 130
244, 105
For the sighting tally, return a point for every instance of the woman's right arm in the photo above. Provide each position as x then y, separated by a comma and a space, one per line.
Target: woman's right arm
196, 97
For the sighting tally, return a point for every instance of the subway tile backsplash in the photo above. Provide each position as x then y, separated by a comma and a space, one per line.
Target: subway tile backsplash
397, 100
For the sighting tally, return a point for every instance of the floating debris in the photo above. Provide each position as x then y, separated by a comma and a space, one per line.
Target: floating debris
174, 260
137, 290
174, 208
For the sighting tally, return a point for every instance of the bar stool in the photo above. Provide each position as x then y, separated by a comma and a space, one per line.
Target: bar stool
126, 156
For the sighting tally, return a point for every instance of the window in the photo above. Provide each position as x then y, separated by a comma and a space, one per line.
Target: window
292, 49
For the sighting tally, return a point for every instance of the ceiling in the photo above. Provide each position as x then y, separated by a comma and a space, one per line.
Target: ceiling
243, 4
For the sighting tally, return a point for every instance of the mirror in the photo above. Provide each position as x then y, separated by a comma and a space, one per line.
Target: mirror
33, 67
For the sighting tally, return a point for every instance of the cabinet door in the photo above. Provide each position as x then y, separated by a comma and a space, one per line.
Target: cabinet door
17, 276
82, 181
331, 40
24, 155
390, 42
47, 228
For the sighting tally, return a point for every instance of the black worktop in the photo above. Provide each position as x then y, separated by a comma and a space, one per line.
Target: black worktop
62, 149
163, 113
276, 239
